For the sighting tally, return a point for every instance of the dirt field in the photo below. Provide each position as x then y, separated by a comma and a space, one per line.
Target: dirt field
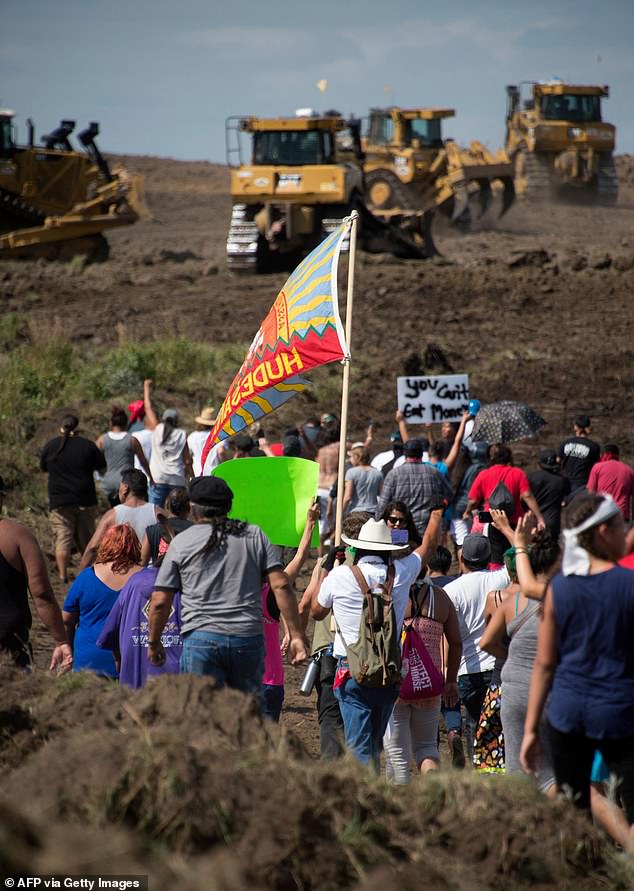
536, 307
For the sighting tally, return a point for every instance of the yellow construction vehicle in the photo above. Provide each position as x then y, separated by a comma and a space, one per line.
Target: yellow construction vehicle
409, 165
558, 143
302, 177
56, 202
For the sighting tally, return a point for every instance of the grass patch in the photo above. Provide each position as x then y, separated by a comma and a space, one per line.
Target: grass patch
44, 377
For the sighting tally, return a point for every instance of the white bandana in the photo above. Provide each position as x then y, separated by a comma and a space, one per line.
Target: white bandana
576, 560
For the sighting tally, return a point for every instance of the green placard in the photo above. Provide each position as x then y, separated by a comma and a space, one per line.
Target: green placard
274, 494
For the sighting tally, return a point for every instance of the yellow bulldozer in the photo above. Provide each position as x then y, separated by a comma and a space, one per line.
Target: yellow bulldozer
409, 165
293, 180
558, 143
56, 202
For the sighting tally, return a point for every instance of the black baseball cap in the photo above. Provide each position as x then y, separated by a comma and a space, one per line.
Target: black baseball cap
210, 491
476, 549
547, 459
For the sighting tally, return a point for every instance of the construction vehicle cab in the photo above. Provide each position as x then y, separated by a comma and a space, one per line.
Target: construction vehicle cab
409, 164
55, 201
558, 143
291, 184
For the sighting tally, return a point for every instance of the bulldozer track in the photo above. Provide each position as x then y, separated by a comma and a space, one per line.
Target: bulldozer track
607, 182
538, 183
242, 242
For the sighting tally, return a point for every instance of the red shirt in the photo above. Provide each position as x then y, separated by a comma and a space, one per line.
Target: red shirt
513, 478
615, 478
627, 562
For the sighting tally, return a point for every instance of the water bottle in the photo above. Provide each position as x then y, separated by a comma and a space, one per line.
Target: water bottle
310, 676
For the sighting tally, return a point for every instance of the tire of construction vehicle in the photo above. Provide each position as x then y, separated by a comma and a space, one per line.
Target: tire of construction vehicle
382, 189
532, 176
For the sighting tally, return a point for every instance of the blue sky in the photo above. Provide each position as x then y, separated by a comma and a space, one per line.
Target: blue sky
161, 76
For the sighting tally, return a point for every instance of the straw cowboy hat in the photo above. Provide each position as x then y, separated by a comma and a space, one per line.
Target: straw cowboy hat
374, 535
207, 417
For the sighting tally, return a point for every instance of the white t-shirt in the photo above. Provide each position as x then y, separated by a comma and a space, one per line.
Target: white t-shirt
145, 439
196, 442
379, 461
341, 593
468, 593
166, 463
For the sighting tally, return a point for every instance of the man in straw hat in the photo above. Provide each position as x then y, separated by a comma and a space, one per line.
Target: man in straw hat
197, 439
366, 710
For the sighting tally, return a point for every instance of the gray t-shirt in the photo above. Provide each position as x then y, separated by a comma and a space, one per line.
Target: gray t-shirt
221, 590
367, 487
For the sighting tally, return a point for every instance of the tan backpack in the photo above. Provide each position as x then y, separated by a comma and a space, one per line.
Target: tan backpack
375, 659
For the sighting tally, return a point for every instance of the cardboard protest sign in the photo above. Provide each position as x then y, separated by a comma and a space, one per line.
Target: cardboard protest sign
273, 493
427, 400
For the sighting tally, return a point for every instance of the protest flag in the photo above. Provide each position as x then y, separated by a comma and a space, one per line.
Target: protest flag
302, 330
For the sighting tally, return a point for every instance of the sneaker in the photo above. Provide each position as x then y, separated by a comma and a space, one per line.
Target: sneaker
456, 750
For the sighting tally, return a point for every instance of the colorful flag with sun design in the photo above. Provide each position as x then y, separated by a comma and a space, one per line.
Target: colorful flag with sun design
301, 331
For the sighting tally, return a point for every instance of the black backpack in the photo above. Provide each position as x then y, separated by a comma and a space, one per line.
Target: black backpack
501, 499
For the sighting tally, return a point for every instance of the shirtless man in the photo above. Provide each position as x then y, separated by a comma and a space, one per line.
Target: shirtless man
22, 568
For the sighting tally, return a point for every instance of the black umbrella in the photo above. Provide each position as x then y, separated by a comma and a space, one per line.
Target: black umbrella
505, 422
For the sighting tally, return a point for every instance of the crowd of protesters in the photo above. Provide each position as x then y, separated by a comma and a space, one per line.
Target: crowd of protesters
530, 636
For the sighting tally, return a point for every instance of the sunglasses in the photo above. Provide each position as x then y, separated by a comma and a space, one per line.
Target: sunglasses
394, 521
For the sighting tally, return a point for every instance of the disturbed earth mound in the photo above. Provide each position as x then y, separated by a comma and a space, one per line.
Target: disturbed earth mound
185, 782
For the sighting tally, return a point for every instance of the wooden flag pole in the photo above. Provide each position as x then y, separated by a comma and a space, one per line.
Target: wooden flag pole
343, 436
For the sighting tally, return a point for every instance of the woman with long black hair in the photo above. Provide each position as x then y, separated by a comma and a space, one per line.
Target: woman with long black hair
71, 461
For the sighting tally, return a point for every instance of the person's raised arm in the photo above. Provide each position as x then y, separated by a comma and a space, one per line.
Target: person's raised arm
495, 634
402, 425
90, 553
304, 606
452, 457
294, 567
281, 588
150, 415
431, 536
44, 601
541, 682
530, 585
501, 523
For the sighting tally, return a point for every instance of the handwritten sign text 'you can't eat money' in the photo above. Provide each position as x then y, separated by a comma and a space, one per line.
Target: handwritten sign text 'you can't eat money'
428, 400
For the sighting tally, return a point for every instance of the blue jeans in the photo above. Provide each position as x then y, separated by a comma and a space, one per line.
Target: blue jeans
158, 493
272, 701
365, 712
233, 661
473, 688
452, 717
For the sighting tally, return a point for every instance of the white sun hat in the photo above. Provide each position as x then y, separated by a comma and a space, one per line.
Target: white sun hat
374, 535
